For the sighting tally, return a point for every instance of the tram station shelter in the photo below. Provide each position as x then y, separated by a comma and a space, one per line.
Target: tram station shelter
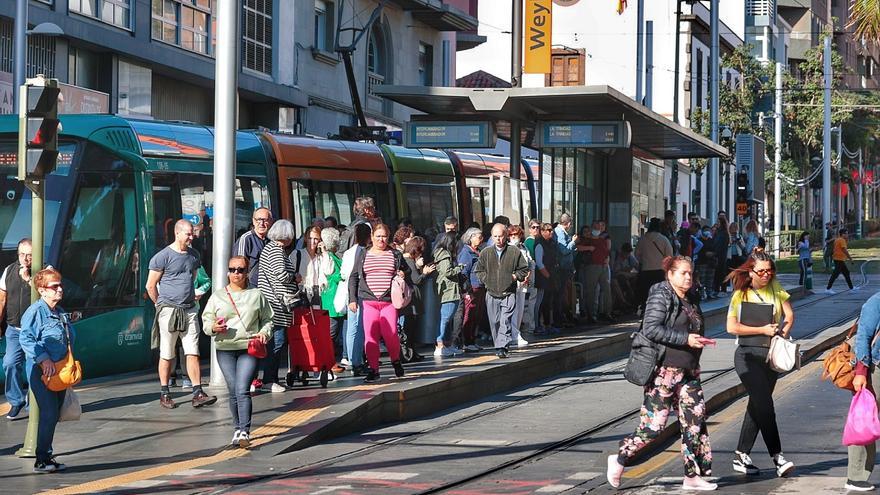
601, 153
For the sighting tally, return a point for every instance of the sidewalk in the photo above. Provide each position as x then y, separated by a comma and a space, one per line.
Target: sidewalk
126, 440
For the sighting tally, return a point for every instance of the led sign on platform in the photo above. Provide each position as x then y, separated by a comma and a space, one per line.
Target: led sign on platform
446, 134
584, 134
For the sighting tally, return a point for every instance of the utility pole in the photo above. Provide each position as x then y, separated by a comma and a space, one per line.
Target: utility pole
777, 183
841, 217
714, 62
225, 123
673, 177
861, 201
516, 70
19, 68
640, 49
826, 137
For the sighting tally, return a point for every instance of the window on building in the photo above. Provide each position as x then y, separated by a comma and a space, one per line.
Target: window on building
324, 25
426, 64
185, 23
41, 52
82, 68
698, 76
115, 12
567, 68
256, 46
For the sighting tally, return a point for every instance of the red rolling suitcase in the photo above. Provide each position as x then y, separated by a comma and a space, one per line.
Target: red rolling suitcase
309, 345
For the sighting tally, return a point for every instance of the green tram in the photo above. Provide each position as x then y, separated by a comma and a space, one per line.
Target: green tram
110, 205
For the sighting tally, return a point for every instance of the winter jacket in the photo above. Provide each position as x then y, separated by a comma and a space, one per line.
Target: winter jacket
497, 273
661, 309
448, 271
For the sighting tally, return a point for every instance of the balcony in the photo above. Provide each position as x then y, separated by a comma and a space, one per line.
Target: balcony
760, 13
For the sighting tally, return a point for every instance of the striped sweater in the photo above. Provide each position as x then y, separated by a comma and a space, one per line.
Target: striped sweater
277, 281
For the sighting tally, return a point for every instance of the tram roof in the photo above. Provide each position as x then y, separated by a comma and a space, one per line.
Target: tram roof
300, 151
651, 131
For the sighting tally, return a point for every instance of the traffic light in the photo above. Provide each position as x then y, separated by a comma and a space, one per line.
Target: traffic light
742, 187
38, 128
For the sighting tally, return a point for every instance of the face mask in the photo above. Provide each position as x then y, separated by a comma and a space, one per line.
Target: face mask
596, 233
513, 242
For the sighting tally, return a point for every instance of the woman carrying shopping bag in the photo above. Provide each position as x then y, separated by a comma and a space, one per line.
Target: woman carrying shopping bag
759, 310
867, 349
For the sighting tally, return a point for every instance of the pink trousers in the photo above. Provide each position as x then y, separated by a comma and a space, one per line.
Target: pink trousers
380, 320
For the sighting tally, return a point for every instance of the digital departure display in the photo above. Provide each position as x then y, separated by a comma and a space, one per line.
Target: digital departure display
584, 134
447, 134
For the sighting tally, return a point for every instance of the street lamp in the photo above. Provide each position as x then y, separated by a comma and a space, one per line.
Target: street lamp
19, 70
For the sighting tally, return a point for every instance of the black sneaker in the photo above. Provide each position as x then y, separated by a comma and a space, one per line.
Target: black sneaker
742, 463
783, 465
15, 411
372, 376
398, 368
858, 486
202, 399
48, 466
502, 353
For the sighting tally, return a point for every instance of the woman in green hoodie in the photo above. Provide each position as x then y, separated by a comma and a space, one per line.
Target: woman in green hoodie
233, 316
448, 270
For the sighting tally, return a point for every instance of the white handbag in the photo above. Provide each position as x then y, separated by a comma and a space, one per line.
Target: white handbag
70, 408
784, 355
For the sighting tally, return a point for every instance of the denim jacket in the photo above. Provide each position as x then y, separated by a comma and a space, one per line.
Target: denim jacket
869, 321
43, 334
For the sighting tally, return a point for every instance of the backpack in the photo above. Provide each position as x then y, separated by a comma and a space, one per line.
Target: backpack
839, 366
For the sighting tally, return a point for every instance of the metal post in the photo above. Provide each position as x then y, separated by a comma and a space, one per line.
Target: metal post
225, 119
516, 81
29, 445
19, 68
673, 174
826, 137
640, 48
861, 197
714, 62
777, 183
841, 217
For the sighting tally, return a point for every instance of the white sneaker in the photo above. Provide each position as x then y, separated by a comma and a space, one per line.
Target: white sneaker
244, 440
856, 288
829, 291
345, 362
275, 388
783, 465
699, 484
253, 388
443, 351
521, 342
235, 438
615, 471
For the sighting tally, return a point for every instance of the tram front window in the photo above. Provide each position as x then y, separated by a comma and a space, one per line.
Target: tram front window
99, 254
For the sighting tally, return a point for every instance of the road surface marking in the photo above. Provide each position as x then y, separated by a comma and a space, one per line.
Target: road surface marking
192, 472
144, 484
655, 462
481, 443
378, 475
554, 488
331, 489
583, 476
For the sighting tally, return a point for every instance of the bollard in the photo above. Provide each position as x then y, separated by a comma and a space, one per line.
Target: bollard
29, 448
808, 276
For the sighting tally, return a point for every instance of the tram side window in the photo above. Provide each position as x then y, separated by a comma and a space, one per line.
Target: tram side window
99, 260
197, 206
429, 205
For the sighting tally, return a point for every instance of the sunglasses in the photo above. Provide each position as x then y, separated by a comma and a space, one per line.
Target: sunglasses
761, 273
55, 287
533, 226
236, 269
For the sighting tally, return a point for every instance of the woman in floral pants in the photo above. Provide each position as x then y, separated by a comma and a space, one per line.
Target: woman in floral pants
675, 324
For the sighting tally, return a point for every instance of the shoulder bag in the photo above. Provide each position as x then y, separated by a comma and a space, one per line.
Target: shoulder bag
401, 292
256, 347
644, 357
68, 371
839, 366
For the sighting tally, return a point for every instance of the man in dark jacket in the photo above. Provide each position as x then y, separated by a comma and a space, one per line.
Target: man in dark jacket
500, 269
364, 212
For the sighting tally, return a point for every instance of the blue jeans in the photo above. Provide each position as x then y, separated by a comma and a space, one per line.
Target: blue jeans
13, 364
271, 362
49, 404
354, 338
238, 369
447, 311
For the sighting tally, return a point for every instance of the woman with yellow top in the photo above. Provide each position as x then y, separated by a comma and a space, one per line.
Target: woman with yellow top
755, 282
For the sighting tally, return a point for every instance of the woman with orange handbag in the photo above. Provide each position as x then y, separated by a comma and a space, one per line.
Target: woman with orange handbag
240, 320
46, 337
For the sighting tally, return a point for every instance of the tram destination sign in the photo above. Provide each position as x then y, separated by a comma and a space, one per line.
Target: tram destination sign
574, 134
449, 134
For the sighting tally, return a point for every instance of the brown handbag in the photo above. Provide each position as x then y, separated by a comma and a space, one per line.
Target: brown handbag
68, 371
840, 363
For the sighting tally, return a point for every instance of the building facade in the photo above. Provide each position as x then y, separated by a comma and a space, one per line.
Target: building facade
155, 58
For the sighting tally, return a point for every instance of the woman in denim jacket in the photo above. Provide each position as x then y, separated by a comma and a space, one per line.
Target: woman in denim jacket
45, 330
861, 457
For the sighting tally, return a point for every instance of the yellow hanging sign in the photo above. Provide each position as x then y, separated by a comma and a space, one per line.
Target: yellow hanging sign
538, 33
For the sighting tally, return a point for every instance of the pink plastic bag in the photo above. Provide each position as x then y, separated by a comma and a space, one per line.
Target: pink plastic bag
862, 424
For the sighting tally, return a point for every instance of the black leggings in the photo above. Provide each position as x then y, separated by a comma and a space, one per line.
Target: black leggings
840, 267
759, 381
